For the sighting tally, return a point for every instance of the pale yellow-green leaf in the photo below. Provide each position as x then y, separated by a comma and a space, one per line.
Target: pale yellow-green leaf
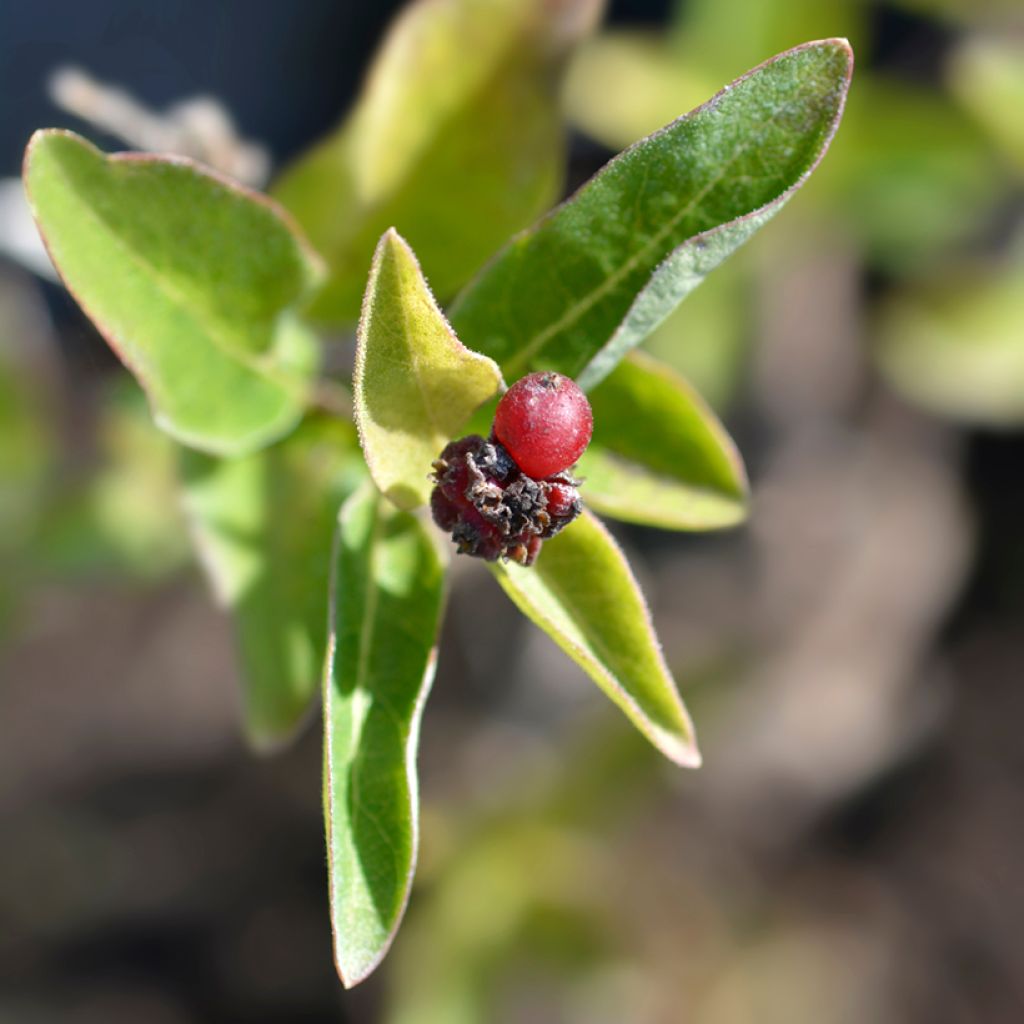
387, 591
659, 455
582, 593
456, 139
194, 282
415, 383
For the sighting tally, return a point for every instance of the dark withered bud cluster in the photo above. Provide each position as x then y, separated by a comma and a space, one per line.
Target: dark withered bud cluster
492, 508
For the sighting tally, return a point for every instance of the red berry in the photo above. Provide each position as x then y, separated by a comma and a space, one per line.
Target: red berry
545, 422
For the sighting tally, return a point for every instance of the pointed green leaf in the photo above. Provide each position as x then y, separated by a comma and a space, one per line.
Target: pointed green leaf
191, 279
386, 596
659, 455
264, 525
457, 139
415, 384
582, 594
590, 281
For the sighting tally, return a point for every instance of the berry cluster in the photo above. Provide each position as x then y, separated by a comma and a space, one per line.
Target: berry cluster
504, 496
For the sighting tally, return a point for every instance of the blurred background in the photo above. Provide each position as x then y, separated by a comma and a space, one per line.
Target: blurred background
853, 849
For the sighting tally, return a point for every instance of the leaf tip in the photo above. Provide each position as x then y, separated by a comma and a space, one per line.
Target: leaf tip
354, 971
391, 247
684, 753
842, 46
846, 47
391, 240
351, 975
36, 140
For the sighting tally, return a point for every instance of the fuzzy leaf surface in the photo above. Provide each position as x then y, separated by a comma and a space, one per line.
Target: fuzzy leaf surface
191, 279
659, 455
415, 383
456, 138
588, 282
264, 525
387, 588
582, 593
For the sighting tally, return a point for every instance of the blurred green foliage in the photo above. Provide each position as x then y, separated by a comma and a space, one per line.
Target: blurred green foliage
919, 185
916, 179
456, 84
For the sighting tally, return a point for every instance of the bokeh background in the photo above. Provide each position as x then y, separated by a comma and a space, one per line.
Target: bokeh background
853, 849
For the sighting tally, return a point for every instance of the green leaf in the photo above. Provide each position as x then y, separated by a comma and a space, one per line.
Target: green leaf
582, 594
191, 279
386, 597
589, 282
28, 441
264, 525
415, 384
456, 139
957, 348
124, 517
659, 455
987, 77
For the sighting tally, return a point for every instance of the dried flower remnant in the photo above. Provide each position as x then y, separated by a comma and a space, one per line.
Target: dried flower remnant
492, 508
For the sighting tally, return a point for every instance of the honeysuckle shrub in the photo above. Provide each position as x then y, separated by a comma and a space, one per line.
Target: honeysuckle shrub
306, 495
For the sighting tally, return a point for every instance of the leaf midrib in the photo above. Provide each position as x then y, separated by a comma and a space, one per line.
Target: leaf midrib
526, 352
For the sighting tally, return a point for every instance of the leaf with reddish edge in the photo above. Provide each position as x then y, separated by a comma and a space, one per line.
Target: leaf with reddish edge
193, 280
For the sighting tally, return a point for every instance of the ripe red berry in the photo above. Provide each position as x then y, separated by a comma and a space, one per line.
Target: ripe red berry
545, 422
